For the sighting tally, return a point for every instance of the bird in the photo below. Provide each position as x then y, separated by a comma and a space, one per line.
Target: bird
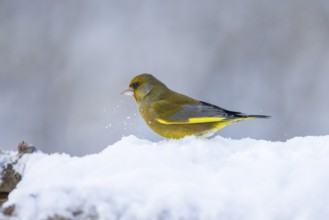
174, 115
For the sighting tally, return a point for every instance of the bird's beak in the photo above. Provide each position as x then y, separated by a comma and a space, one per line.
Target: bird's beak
128, 91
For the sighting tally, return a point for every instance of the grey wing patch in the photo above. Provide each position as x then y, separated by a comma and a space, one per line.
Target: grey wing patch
200, 113
208, 108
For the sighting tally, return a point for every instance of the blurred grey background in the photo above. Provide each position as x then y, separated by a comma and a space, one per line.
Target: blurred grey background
63, 65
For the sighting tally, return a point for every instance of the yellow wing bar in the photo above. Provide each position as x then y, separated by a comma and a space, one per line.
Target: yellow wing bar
191, 121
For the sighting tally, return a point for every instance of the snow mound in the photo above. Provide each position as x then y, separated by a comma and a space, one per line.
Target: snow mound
190, 179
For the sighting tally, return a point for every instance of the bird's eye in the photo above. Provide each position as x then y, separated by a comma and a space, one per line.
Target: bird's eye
135, 85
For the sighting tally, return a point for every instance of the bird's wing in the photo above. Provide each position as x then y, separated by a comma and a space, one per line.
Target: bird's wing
199, 112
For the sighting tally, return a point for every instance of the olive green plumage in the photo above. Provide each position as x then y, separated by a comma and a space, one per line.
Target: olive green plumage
174, 115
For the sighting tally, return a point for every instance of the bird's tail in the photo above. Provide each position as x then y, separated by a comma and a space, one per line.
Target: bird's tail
244, 117
238, 116
256, 116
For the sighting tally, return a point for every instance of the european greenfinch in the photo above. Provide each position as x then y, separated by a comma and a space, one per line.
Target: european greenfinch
174, 115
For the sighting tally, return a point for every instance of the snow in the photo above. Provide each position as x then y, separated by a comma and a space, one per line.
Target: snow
191, 178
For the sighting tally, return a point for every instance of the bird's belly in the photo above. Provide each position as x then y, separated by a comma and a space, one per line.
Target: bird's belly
182, 130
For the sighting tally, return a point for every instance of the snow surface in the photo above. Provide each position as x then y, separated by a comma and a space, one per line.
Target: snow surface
191, 178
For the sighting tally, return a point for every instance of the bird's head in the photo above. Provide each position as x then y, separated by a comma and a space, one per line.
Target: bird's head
143, 85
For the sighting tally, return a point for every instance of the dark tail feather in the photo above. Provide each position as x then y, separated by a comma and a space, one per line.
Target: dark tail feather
257, 116
246, 117
241, 116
